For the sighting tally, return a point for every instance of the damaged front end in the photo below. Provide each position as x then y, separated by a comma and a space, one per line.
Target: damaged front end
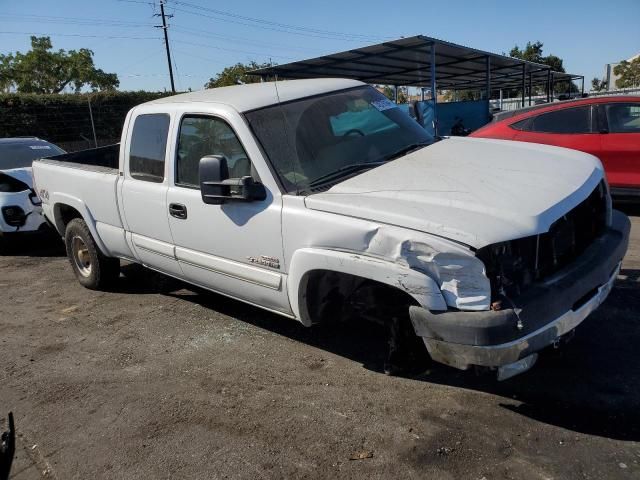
542, 287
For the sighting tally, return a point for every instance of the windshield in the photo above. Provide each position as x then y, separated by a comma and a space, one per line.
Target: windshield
22, 154
315, 142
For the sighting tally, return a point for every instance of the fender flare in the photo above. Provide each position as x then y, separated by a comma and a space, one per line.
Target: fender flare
306, 260
60, 199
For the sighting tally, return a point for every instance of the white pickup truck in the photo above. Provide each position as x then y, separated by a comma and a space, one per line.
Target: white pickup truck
320, 199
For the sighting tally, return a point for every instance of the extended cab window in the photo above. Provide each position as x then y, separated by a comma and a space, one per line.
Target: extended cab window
568, 120
148, 147
623, 117
201, 136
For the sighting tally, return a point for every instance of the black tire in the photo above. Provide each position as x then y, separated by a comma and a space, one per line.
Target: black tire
93, 269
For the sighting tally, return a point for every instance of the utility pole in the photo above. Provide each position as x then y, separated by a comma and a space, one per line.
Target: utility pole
164, 27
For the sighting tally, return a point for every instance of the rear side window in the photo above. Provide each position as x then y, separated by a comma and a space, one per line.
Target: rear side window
568, 120
623, 117
148, 147
523, 124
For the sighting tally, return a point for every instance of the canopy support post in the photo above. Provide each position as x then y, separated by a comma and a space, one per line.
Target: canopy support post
434, 95
548, 85
488, 78
524, 74
530, 89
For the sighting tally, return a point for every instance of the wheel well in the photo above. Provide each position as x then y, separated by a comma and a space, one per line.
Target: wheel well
328, 295
63, 215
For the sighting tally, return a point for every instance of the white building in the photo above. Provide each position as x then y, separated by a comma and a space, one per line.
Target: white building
611, 77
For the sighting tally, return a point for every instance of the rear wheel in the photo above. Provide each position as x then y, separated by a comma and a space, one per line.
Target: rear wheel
93, 269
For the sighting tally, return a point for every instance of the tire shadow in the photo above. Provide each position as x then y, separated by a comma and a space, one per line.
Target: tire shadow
42, 244
631, 209
587, 386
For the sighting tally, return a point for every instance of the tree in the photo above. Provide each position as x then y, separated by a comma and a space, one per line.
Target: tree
388, 92
460, 95
42, 70
628, 73
403, 94
598, 85
533, 53
236, 75
5, 72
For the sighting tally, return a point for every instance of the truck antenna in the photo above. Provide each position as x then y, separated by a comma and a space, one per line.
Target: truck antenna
286, 129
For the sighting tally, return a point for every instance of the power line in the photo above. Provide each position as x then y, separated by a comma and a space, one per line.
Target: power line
275, 29
80, 35
138, 1
234, 50
278, 24
73, 20
233, 39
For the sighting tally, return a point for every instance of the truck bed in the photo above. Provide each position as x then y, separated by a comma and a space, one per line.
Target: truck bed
101, 157
86, 182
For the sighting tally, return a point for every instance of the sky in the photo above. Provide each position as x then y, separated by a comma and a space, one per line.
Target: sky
206, 36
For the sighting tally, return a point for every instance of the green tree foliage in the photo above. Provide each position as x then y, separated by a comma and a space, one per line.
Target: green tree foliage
43, 70
598, 85
236, 75
403, 95
62, 118
461, 95
387, 91
629, 73
533, 53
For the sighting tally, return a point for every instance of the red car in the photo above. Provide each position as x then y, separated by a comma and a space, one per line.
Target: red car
607, 127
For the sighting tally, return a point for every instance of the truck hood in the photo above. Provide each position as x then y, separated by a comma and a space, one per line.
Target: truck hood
23, 174
473, 191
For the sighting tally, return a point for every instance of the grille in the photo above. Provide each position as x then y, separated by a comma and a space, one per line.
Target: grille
514, 265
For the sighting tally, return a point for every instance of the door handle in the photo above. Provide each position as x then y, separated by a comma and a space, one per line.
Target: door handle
178, 210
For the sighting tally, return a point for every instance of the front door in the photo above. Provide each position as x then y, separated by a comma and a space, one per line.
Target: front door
621, 143
234, 248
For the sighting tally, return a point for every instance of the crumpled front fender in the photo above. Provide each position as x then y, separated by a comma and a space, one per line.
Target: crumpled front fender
306, 260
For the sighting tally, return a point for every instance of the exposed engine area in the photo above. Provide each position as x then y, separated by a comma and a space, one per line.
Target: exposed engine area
514, 265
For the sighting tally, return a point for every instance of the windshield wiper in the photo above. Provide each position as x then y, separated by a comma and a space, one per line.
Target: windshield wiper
406, 150
342, 171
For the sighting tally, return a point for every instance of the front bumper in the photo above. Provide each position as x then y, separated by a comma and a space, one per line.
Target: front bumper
34, 220
542, 315
625, 194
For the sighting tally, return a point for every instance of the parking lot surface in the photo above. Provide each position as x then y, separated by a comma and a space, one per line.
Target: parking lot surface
159, 380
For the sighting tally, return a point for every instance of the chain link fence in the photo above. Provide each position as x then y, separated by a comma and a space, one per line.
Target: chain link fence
74, 121
516, 103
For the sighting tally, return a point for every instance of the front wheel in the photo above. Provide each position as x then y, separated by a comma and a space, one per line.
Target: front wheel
93, 269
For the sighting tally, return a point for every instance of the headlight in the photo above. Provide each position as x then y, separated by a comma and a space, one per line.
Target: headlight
463, 281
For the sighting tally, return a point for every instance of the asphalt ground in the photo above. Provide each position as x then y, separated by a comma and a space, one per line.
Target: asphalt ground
159, 380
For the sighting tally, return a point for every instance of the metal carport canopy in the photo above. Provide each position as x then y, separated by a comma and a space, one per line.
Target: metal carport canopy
408, 62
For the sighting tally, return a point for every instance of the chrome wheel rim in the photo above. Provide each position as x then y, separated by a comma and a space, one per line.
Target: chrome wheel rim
81, 256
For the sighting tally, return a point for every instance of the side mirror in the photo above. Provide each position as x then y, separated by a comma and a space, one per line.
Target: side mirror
216, 187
